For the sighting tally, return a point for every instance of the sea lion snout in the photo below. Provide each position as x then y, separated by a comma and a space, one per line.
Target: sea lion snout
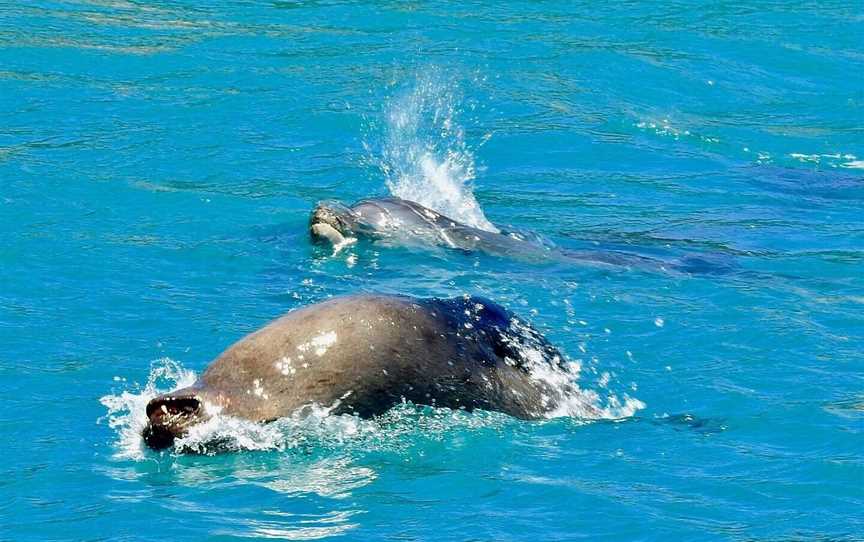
170, 416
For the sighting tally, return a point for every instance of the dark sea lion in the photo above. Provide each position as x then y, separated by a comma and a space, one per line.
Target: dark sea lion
363, 354
408, 222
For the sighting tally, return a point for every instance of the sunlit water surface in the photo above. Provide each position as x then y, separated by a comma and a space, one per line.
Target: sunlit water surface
158, 162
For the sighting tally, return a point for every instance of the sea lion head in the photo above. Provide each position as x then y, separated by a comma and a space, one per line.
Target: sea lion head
170, 415
333, 222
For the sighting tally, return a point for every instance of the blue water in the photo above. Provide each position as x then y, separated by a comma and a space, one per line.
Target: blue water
158, 162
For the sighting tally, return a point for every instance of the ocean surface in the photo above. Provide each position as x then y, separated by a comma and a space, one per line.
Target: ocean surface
158, 164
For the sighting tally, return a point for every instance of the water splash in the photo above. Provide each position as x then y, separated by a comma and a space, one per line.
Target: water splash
126, 409
424, 155
565, 397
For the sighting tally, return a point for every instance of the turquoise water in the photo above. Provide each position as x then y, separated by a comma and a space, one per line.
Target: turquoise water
158, 162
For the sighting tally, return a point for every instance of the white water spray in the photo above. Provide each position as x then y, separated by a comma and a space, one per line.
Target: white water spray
424, 154
127, 408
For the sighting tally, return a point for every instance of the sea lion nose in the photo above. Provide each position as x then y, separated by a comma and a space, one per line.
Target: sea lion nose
169, 417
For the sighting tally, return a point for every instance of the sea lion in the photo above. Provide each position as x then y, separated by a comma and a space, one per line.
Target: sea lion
411, 223
363, 354
407, 222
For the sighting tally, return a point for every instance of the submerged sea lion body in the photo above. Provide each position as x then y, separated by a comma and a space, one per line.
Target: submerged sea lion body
363, 354
408, 222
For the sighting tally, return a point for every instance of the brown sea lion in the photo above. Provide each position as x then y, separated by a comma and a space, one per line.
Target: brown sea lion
363, 354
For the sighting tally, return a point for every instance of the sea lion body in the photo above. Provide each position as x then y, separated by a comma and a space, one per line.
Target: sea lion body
364, 354
409, 223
